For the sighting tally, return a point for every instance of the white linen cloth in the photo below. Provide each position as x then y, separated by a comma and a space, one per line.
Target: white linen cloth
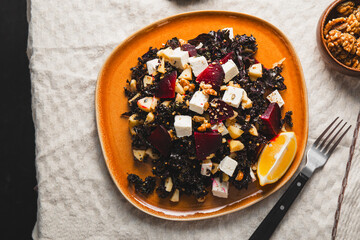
68, 43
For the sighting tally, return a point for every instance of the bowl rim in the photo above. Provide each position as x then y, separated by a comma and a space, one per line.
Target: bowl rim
322, 25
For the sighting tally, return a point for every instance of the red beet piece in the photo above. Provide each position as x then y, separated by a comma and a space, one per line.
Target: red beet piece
206, 143
213, 74
161, 140
271, 119
190, 49
227, 57
166, 87
219, 111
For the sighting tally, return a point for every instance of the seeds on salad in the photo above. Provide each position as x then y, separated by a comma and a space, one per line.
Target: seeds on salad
221, 104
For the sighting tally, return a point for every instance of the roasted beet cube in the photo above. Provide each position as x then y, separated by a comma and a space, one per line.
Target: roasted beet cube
227, 57
213, 74
219, 111
166, 87
190, 49
161, 140
271, 119
206, 143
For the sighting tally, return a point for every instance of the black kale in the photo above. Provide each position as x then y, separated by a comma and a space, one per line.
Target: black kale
245, 180
173, 43
145, 187
287, 119
202, 38
162, 193
273, 79
181, 165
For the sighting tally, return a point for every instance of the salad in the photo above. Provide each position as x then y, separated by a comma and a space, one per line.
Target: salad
200, 112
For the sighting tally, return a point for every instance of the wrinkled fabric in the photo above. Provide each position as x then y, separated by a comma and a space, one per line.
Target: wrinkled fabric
68, 43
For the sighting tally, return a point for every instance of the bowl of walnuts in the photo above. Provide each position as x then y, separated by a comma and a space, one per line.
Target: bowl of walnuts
338, 36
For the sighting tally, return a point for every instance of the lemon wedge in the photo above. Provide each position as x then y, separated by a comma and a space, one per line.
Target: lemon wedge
276, 157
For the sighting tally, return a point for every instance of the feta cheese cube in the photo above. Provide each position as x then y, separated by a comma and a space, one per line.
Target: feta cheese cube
179, 58
198, 64
231, 32
255, 71
206, 167
276, 97
252, 175
228, 165
220, 189
165, 53
233, 96
230, 70
198, 101
151, 65
183, 125
220, 127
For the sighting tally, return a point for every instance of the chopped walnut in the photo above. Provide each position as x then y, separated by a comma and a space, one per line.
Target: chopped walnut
339, 42
203, 86
223, 88
353, 25
198, 119
191, 87
184, 83
203, 127
342, 34
206, 106
332, 24
345, 8
355, 63
210, 92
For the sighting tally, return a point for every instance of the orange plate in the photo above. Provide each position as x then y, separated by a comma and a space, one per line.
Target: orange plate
111, 103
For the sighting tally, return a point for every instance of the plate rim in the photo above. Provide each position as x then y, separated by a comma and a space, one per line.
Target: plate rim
101, 134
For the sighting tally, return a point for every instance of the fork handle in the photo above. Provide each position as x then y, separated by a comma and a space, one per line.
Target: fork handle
274, 217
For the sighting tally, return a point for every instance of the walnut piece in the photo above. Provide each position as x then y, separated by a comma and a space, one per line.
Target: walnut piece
345, 8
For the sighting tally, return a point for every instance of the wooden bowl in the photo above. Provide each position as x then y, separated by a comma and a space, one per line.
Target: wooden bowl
330, 60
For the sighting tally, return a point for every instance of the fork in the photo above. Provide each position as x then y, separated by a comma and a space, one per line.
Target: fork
317, 156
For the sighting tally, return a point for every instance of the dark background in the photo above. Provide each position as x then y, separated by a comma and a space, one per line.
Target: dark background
17, 152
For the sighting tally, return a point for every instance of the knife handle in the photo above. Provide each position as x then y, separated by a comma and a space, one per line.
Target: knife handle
274, 217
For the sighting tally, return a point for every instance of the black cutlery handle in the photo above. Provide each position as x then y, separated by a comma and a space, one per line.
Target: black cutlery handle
274, 217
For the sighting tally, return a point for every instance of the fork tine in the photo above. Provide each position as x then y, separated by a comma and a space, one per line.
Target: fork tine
328, 145
337, 142
323, 133
327, 137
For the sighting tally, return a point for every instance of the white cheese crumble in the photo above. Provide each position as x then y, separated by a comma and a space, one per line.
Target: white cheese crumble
228, 165
198, 101
231, 32
206, 168
230, 70
233, 96
198, 64
151, 65
220, 127
276, 97
220, 189
183, 125
179, 58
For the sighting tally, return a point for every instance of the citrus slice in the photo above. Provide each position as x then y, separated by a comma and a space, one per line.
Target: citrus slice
276, 158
